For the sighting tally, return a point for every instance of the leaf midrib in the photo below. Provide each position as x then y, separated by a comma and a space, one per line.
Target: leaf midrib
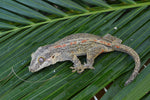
79, 15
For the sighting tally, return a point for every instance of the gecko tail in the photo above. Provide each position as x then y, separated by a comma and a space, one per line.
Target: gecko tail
136, 58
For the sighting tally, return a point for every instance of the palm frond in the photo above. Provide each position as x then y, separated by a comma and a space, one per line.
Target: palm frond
27, 24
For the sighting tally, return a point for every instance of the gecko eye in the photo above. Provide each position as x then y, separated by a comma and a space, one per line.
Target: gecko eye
41, 60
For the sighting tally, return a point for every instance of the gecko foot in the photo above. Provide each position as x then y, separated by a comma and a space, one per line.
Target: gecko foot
79, 69
88, 66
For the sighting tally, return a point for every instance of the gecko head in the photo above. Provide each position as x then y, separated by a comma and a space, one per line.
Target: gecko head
43, 57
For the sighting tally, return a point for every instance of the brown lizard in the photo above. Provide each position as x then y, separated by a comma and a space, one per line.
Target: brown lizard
79, 44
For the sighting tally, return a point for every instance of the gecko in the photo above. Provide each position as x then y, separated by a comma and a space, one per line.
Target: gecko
72, 46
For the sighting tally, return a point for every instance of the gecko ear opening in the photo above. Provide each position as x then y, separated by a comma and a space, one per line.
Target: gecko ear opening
53, 56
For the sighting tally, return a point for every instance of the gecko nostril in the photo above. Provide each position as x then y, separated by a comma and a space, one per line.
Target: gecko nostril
31, 70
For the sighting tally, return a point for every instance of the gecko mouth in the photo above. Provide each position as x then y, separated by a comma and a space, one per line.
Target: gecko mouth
32, 70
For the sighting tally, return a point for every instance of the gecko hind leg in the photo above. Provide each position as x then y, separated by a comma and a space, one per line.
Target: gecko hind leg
77, 65
91, 55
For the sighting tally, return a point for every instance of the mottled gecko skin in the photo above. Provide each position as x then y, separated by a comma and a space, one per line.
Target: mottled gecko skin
79, 44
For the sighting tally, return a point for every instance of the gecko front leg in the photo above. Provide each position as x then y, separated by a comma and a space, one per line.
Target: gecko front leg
91, 55
77, 65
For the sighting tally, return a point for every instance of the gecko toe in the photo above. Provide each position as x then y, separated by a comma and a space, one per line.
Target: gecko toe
72, 67
79, 72
79, 69
73, 71
91, 67
87, 66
